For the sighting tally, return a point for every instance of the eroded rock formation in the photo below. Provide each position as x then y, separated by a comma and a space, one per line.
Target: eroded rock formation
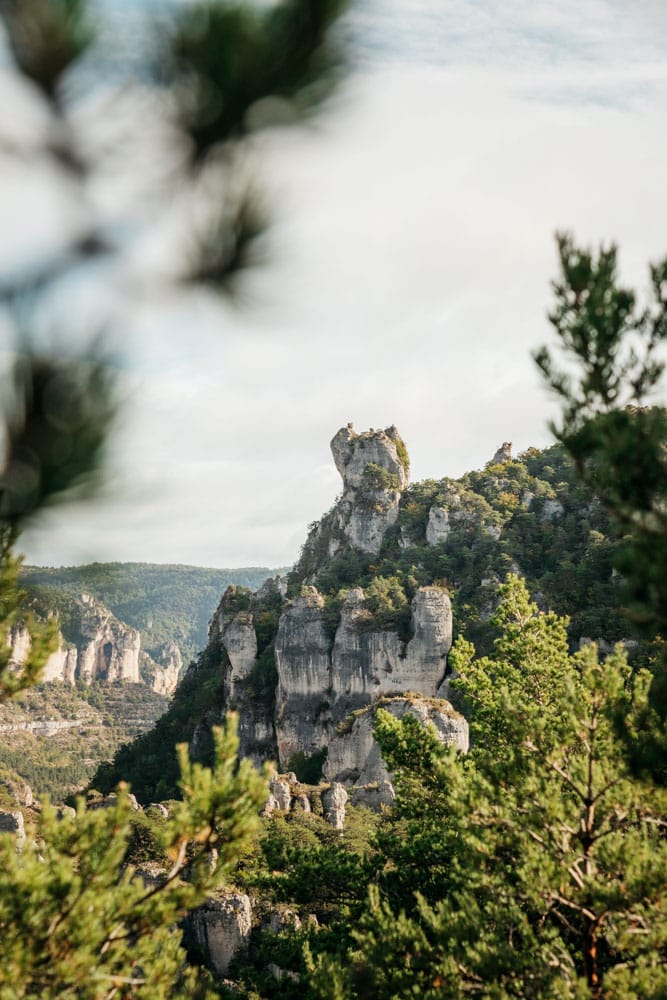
374, 468
294, 684
354, 756
106, 649
220, 929
321, 682
109, 649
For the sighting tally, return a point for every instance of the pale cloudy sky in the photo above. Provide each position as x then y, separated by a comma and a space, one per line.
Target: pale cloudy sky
406, 278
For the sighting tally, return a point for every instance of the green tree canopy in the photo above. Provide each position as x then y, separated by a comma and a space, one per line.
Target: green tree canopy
611, 347
540, 862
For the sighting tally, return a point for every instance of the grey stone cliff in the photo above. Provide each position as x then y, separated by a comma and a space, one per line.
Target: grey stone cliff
327, 667
106, 650
374, 468
220, 929
303, 659
322, 678
321, 681
354, 757
233, 640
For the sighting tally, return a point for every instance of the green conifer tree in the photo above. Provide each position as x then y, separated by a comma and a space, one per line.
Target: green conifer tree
612, 349
541, 862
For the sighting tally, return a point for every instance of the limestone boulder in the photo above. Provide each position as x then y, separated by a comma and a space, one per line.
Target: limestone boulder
438, 526
334, 800
354, 757
11, 821
219, 929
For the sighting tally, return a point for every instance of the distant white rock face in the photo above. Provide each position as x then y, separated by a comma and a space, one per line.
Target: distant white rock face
107, 650
110, 649
61, 665
167, 667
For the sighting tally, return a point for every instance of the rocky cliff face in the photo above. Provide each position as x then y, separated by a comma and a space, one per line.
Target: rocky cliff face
109, 649
329, 663
374, 468
106, 650
354, 756
321, 682
162, 671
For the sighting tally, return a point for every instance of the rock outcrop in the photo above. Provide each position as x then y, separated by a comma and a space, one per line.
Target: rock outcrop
328, 664
220, 929
323, 677
374, 468
233, 641
61, 665
109, 649
11, 821
321, 682
354, 756
162, 671
303, 660
503, 454
438, 527
106, 649
334, 801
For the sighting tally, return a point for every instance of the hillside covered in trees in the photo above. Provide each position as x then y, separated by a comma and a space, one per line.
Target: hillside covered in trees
58, 733
527, 515
165, 603
532, 866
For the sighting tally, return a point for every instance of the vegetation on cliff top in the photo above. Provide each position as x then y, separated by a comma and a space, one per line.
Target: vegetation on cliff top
530, 514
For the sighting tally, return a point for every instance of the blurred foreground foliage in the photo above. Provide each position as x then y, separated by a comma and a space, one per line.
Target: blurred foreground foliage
78, 921
75, 919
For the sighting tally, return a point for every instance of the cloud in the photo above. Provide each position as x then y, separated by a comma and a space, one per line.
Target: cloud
408, 278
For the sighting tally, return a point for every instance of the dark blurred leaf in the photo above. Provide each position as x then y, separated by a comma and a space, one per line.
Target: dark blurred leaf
21, 288
227, 57
46, 37
57, 415
226, 245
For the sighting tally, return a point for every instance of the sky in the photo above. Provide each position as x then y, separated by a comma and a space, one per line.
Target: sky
405, 277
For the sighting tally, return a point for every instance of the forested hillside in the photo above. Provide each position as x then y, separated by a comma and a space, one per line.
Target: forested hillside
528, 516
57, 734
166, 603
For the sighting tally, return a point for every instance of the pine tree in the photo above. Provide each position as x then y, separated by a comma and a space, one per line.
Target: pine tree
542, 872
611, 347
77, 920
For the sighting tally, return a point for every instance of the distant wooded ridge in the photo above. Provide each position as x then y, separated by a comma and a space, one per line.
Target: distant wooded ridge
166, 602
